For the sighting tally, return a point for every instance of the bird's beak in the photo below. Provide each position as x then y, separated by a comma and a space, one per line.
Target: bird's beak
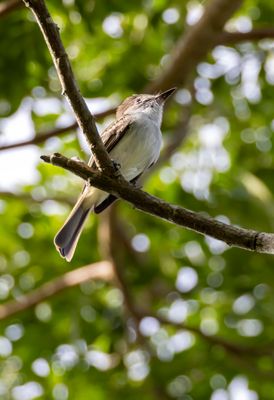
163, 96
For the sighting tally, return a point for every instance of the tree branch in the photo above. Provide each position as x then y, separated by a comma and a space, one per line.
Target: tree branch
104, 270
27, 197
70, 89
40, 137
193, 46
10, 5
43, 136
238, 37
98, 271
234, 236
213, 339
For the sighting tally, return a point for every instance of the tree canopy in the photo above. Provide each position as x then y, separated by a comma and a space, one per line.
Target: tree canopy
146, 308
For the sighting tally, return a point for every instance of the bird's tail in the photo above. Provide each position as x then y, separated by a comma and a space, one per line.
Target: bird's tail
67, 238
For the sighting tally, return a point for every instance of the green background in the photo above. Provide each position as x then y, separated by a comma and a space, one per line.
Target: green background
83, 343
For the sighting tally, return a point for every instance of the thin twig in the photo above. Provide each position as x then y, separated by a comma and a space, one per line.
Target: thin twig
10, 5
238, 37
241, 354
217, 340
232, 235
98, 271
27, 197
41, 137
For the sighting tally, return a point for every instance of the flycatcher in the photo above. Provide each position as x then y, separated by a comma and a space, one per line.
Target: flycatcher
134, 142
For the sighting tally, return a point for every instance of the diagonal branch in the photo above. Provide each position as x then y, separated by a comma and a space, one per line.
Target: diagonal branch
70, 89
98, 271
27, 197
232, 235
9, 6
193, 46
43, 136
213, 339
40, 137
104, 271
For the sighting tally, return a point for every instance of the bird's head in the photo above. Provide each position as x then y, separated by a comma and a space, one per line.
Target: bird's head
150, 104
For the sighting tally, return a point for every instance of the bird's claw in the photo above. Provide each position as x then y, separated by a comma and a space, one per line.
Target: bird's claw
137, 185
116, 165
75, 158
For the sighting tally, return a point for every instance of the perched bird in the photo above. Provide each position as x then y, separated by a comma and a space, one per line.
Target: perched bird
133, 141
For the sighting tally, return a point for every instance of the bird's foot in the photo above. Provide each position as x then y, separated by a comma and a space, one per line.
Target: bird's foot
137, 184
116, 165
75, 158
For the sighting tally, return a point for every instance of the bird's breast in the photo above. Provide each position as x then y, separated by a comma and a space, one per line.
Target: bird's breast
138, 149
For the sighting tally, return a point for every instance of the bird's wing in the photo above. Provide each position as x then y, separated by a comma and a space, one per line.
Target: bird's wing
110, 137
113, 134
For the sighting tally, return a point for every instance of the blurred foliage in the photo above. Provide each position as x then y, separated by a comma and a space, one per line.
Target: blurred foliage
81, 344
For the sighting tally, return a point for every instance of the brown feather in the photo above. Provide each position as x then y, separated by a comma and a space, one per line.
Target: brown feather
113, 134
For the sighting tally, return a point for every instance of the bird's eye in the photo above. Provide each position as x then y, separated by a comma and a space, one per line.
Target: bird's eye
138, 101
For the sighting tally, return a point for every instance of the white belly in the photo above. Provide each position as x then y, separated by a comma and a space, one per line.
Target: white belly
138, 149
135, 152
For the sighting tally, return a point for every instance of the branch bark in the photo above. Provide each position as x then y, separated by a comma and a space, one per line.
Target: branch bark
9, 6
27, 197
43, 136
98, 271
238, 37
193, 46
232, 235
70, 89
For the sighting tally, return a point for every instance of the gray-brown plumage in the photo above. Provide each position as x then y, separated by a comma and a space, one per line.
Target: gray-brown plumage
133, 141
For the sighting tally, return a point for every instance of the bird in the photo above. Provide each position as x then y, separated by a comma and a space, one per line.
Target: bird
133, 142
